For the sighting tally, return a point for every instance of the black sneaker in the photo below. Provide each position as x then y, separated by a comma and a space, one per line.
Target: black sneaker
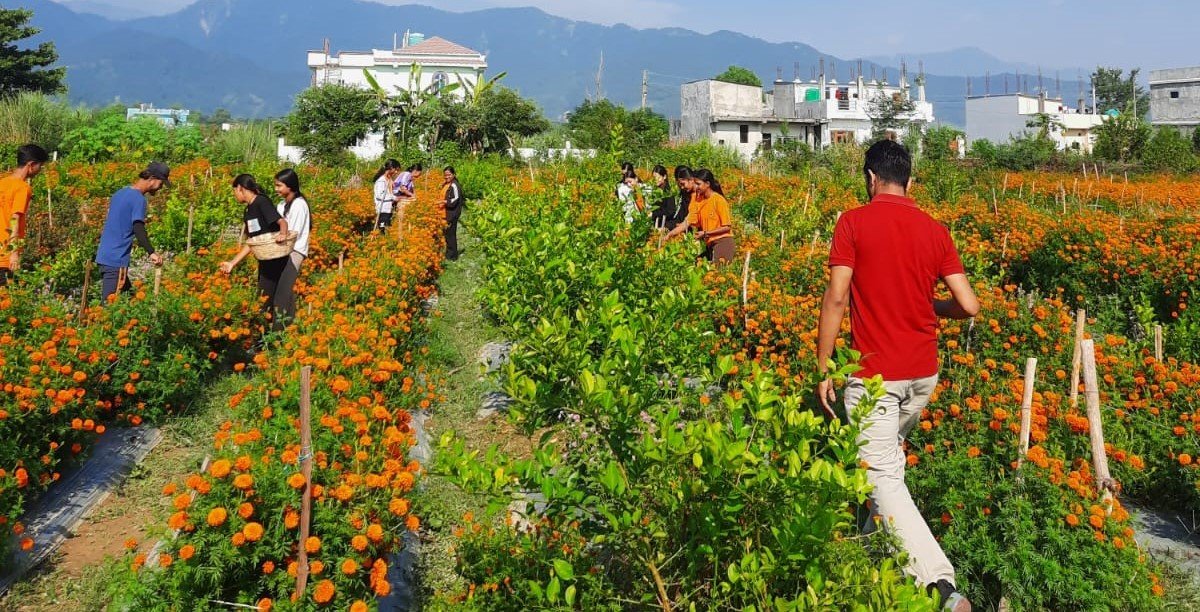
951, 599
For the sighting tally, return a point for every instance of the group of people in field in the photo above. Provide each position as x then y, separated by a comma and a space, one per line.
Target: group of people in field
287, 220
395, 188
885, 261
696, 203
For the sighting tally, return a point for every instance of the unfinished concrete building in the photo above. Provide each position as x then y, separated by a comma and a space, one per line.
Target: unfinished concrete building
1175, 98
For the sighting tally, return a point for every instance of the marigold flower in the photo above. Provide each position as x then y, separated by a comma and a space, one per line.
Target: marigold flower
349, 567
324, 592
186, 552
243, 481
219, 468
253, 532
359, 543
217, 516
312, 545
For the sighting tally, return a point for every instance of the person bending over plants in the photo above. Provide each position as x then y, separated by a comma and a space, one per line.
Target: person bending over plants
709, 214
385, 194
885, 261
125, 221
261, 218
15, 196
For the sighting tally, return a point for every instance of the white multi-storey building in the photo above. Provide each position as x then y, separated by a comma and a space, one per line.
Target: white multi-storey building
413, 63
1000, 118
819, 112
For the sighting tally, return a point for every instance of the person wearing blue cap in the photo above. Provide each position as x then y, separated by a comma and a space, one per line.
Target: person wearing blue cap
126, 221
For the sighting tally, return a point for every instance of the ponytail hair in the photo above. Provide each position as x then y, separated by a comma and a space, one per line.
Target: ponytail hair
706, 175
247, 182
682, 172
388, 166
415, 168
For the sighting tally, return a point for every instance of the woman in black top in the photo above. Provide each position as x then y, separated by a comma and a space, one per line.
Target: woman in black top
452, 202
261, 217
672, 209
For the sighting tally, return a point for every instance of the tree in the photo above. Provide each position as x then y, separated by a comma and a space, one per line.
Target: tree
1196, 140
1168, 151
26, 69
889, 114
938, 142
1116, 92
329, 118
507, 115
739, 75
401, 112
1121, 138
1044, 124
592, 126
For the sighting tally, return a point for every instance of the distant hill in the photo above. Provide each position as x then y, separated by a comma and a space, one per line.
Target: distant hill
248, 55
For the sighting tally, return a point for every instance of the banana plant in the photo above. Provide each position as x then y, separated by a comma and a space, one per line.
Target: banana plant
400, 110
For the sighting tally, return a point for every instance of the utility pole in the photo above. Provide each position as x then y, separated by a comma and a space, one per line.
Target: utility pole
645, 85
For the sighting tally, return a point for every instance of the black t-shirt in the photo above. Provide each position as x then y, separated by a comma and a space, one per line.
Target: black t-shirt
261, 217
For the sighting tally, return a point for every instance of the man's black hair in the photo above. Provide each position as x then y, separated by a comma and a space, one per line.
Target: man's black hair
890, 162
31, 153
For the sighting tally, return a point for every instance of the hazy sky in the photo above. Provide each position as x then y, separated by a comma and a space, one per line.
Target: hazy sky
1148, 33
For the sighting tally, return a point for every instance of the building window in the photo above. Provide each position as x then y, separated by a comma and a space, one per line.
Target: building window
744, 133
766, 144
721, 141
1174, 94
440, 80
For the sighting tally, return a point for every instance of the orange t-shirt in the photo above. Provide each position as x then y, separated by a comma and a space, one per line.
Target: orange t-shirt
709, 214
14, 200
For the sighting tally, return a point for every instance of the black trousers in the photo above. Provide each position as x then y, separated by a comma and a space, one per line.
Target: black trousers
270, 274
285, 292
451, 233
112, 280
385, 221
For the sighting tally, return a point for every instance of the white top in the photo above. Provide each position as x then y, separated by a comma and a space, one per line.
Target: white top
628, 199
298, 220
384, 196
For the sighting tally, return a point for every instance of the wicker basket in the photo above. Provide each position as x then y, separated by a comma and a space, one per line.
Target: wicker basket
264, 246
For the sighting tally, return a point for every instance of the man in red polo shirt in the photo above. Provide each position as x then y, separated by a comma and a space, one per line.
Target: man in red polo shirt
885, 262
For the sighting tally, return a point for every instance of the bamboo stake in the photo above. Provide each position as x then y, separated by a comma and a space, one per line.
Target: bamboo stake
157, 281
746, 285
1096, 428
995, 206
306, 456
50, 208
1005, 191
1158, 343
1080, 322
1027, 409
87, 278
782, 233
341, 260
191, 219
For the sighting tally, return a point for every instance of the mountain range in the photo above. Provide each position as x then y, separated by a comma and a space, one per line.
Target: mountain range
248, 56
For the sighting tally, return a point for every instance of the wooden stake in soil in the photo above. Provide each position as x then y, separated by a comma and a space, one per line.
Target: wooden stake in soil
87, 278
1027, 408
1005, 190
341, 260
191, 220
782, 233
746, 286
1158, 343
157, 281
306, 456
50, 208
1080, 322
1096, 429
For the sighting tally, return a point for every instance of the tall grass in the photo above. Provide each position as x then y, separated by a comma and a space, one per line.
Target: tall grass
244, 144
39, 119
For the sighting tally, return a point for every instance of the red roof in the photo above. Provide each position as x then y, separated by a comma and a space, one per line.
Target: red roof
438, 46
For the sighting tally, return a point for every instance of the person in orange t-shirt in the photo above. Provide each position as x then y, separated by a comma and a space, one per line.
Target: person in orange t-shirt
15, 195
709, 214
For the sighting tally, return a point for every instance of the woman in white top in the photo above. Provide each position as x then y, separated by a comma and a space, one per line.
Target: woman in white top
385, 193
293, 208
629, 194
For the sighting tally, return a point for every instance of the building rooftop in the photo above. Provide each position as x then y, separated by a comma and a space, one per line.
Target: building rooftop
438, 46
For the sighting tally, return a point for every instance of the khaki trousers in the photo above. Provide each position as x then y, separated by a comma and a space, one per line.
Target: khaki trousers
886, 426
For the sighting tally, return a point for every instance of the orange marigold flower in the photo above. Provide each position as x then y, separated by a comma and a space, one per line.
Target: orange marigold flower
217, 516
375, 532
169, 489
268, 567
1072, 520
312, 545
265, 604
186, 552
220, 468
359, 543
349, 567
130, 543
182, 501
1185, 459
359, 606
27, 544
238, 539
243, 481
165, 560
246, 510
973, 451
324, 592
296, 481
1096, 521
253, 532
413, 523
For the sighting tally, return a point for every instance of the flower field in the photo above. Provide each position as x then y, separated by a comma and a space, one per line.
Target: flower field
678, 457
675, 405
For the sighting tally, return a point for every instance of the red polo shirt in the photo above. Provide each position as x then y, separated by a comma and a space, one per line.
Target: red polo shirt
898, 253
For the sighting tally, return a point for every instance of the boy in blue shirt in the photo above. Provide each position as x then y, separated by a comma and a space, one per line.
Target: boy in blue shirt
126, 220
